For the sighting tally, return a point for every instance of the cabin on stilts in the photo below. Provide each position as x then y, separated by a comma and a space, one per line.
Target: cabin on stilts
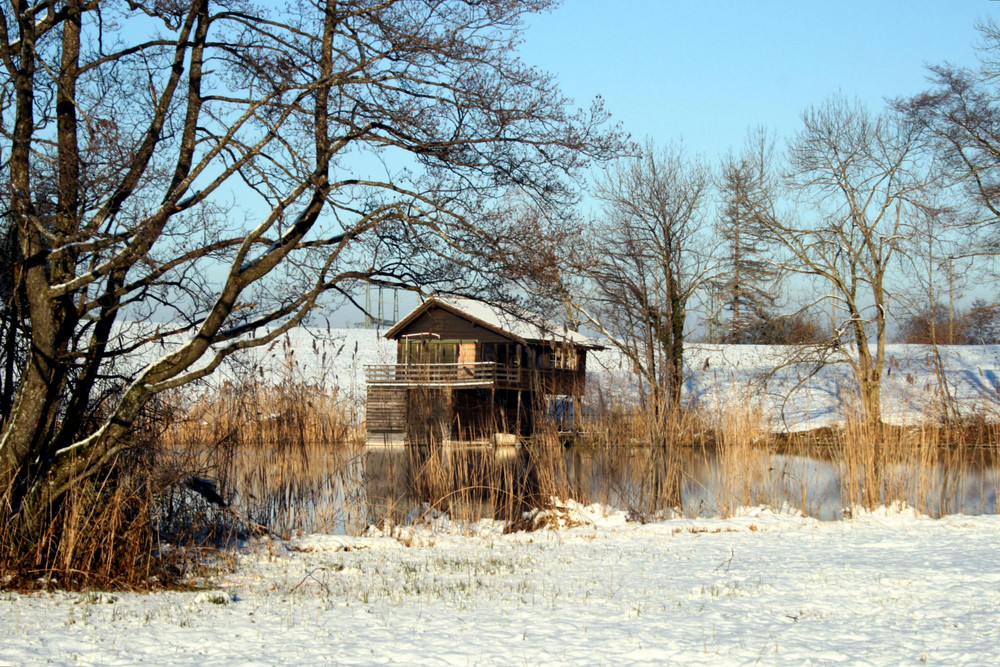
471, 372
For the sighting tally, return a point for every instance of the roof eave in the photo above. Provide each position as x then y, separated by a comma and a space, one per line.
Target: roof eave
434, 301
394, 332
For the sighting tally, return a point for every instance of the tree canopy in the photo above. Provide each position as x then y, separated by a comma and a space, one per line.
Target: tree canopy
222, 164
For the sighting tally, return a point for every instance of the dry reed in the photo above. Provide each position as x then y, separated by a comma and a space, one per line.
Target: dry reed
99, 534
286, 458
283, 458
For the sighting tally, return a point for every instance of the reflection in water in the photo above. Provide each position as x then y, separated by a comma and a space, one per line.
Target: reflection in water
404, 483
698, 482
356, 489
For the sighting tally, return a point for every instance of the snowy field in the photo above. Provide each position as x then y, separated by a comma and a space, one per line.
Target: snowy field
884, 588
792, 397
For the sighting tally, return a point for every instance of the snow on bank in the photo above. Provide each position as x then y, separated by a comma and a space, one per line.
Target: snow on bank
326, 358
887, 587
791, 396
798, 397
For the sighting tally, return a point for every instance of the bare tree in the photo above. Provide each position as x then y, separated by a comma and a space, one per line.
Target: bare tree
930, 326
644, 263
864, 184
981, 324
960, 118
960, 115
748, 279
927, 319
226, 165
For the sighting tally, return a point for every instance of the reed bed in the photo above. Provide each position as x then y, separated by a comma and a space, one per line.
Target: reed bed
281, 458
743, 474
698, 462
720, 459
286, 458
101, 532
916, 465
288, 414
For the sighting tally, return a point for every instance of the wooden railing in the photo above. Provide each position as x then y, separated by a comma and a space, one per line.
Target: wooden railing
479, 374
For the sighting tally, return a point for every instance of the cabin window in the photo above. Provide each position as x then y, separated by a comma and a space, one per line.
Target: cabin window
436, 351
502, 354
564, 358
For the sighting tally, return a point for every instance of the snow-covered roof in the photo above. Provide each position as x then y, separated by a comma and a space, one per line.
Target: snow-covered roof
510, 321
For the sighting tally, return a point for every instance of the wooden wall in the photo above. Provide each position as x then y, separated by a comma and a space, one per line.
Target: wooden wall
450, 326
385, 411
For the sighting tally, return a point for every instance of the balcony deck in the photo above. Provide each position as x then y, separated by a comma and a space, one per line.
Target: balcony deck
470, 375
477, 374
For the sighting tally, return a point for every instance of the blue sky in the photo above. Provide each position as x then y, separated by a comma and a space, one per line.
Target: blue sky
706, 71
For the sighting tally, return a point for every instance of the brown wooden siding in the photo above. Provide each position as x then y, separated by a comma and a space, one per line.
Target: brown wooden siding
385, 410
447, 325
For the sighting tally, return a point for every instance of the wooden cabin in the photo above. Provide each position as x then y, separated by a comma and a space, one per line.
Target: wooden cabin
471, 372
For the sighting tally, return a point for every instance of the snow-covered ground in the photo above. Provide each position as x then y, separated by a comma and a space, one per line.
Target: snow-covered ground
888, 587
791, 396
885, 588
795, 398
316, 356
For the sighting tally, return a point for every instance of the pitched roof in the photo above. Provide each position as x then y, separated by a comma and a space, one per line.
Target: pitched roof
512, 322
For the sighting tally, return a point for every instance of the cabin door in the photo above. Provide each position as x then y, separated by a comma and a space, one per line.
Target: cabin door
467, 352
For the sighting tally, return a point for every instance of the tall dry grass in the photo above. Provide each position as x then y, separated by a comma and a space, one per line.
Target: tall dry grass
284, 453
718, 459
99, 534
282, 458
744, 472
233, 460
917, 465
467, 481
637, 454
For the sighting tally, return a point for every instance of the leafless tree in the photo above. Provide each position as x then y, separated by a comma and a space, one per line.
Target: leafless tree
861, 185
982, 323
644, 263
226, 164
748, 277
979, 324
930, 325
960, 115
